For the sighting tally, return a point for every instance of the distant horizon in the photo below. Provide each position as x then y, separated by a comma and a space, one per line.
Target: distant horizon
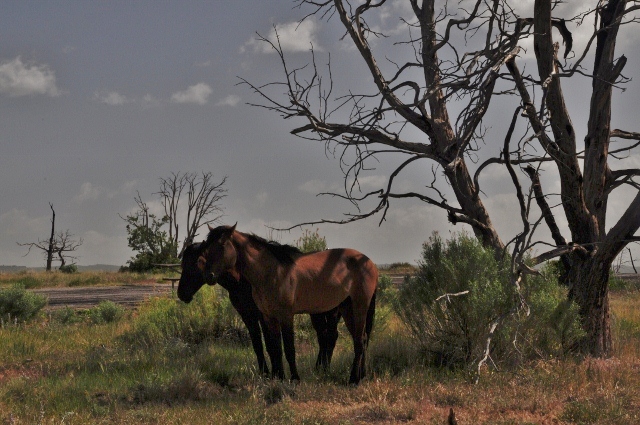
624, 269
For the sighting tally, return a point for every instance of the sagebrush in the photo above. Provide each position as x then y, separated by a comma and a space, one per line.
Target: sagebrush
461, 291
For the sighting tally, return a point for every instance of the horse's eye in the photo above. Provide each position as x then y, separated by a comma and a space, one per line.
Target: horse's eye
202, 263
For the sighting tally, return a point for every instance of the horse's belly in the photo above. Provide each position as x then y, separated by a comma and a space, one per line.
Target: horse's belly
312, 301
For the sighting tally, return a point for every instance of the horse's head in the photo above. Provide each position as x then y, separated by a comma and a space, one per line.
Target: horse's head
192, 277
219, 255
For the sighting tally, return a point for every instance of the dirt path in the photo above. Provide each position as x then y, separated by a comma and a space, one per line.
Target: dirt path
90, 296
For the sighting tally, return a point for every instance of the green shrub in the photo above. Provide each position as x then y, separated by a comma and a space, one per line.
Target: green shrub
65, 316
386, 291
453, 328
311, 241
69, 268
29, 282
85, 280
460, 290
16, 303
106, 312
162, 320
553, 325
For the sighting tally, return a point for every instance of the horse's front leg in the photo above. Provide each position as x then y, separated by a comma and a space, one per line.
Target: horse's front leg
273, 341
252, 318
256, 341
288, 338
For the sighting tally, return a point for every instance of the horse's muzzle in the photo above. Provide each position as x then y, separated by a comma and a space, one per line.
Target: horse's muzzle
211, 279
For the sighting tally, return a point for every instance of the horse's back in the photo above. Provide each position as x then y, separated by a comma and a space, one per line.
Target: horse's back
332, 276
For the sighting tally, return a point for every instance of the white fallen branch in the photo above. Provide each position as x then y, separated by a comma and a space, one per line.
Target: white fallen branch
457, 294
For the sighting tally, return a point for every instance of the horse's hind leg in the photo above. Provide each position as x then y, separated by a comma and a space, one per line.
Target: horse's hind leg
288, 339
326, 327
355, 319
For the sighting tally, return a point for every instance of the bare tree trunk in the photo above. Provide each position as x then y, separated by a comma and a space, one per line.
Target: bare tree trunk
590, 290
51, 239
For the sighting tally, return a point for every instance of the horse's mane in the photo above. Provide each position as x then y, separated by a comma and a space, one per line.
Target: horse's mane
285, 254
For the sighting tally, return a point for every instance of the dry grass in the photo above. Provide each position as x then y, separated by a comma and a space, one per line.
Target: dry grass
41, 279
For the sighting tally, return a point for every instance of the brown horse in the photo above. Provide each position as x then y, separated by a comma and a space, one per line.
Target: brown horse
325, 324
285, 282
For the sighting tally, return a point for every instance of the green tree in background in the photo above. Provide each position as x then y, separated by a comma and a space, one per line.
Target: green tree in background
146, 237
311, 242
189, 201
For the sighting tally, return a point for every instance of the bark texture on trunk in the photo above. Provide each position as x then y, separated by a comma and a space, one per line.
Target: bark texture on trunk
589, 279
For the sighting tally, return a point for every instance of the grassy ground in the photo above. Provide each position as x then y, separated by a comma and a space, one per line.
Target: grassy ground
41, 279
80, 372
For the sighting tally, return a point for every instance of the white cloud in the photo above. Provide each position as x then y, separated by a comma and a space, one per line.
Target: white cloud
111, 98
320, 186
88, 192
313, 186
231, 100
375, 182
293, 36
198, 94
19, 79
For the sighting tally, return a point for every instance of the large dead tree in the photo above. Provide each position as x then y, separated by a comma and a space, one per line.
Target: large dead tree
430, 95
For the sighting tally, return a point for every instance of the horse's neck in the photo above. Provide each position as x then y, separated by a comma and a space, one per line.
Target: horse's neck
255, 262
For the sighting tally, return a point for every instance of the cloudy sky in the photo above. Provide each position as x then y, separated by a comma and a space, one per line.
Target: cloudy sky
100, 99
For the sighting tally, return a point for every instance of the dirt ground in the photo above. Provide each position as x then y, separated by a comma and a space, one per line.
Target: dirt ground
89, 296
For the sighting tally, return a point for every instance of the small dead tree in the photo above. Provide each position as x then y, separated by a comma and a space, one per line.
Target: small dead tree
61, 244
434, 82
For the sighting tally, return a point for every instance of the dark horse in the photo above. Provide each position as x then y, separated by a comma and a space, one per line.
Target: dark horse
325, 324
285, 282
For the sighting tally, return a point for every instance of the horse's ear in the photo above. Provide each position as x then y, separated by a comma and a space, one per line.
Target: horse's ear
209, 226
228, 232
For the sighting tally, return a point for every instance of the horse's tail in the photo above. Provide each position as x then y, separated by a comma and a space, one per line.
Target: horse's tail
370, 315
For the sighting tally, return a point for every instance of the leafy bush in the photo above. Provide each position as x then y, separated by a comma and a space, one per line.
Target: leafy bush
85, 280
65, 316
69, 268
16, 303
553, 325
106, 312
460, 290
386, 291
311, 242
29, 282
162, 320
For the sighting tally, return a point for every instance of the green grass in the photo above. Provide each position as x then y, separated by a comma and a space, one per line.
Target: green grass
96, 372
